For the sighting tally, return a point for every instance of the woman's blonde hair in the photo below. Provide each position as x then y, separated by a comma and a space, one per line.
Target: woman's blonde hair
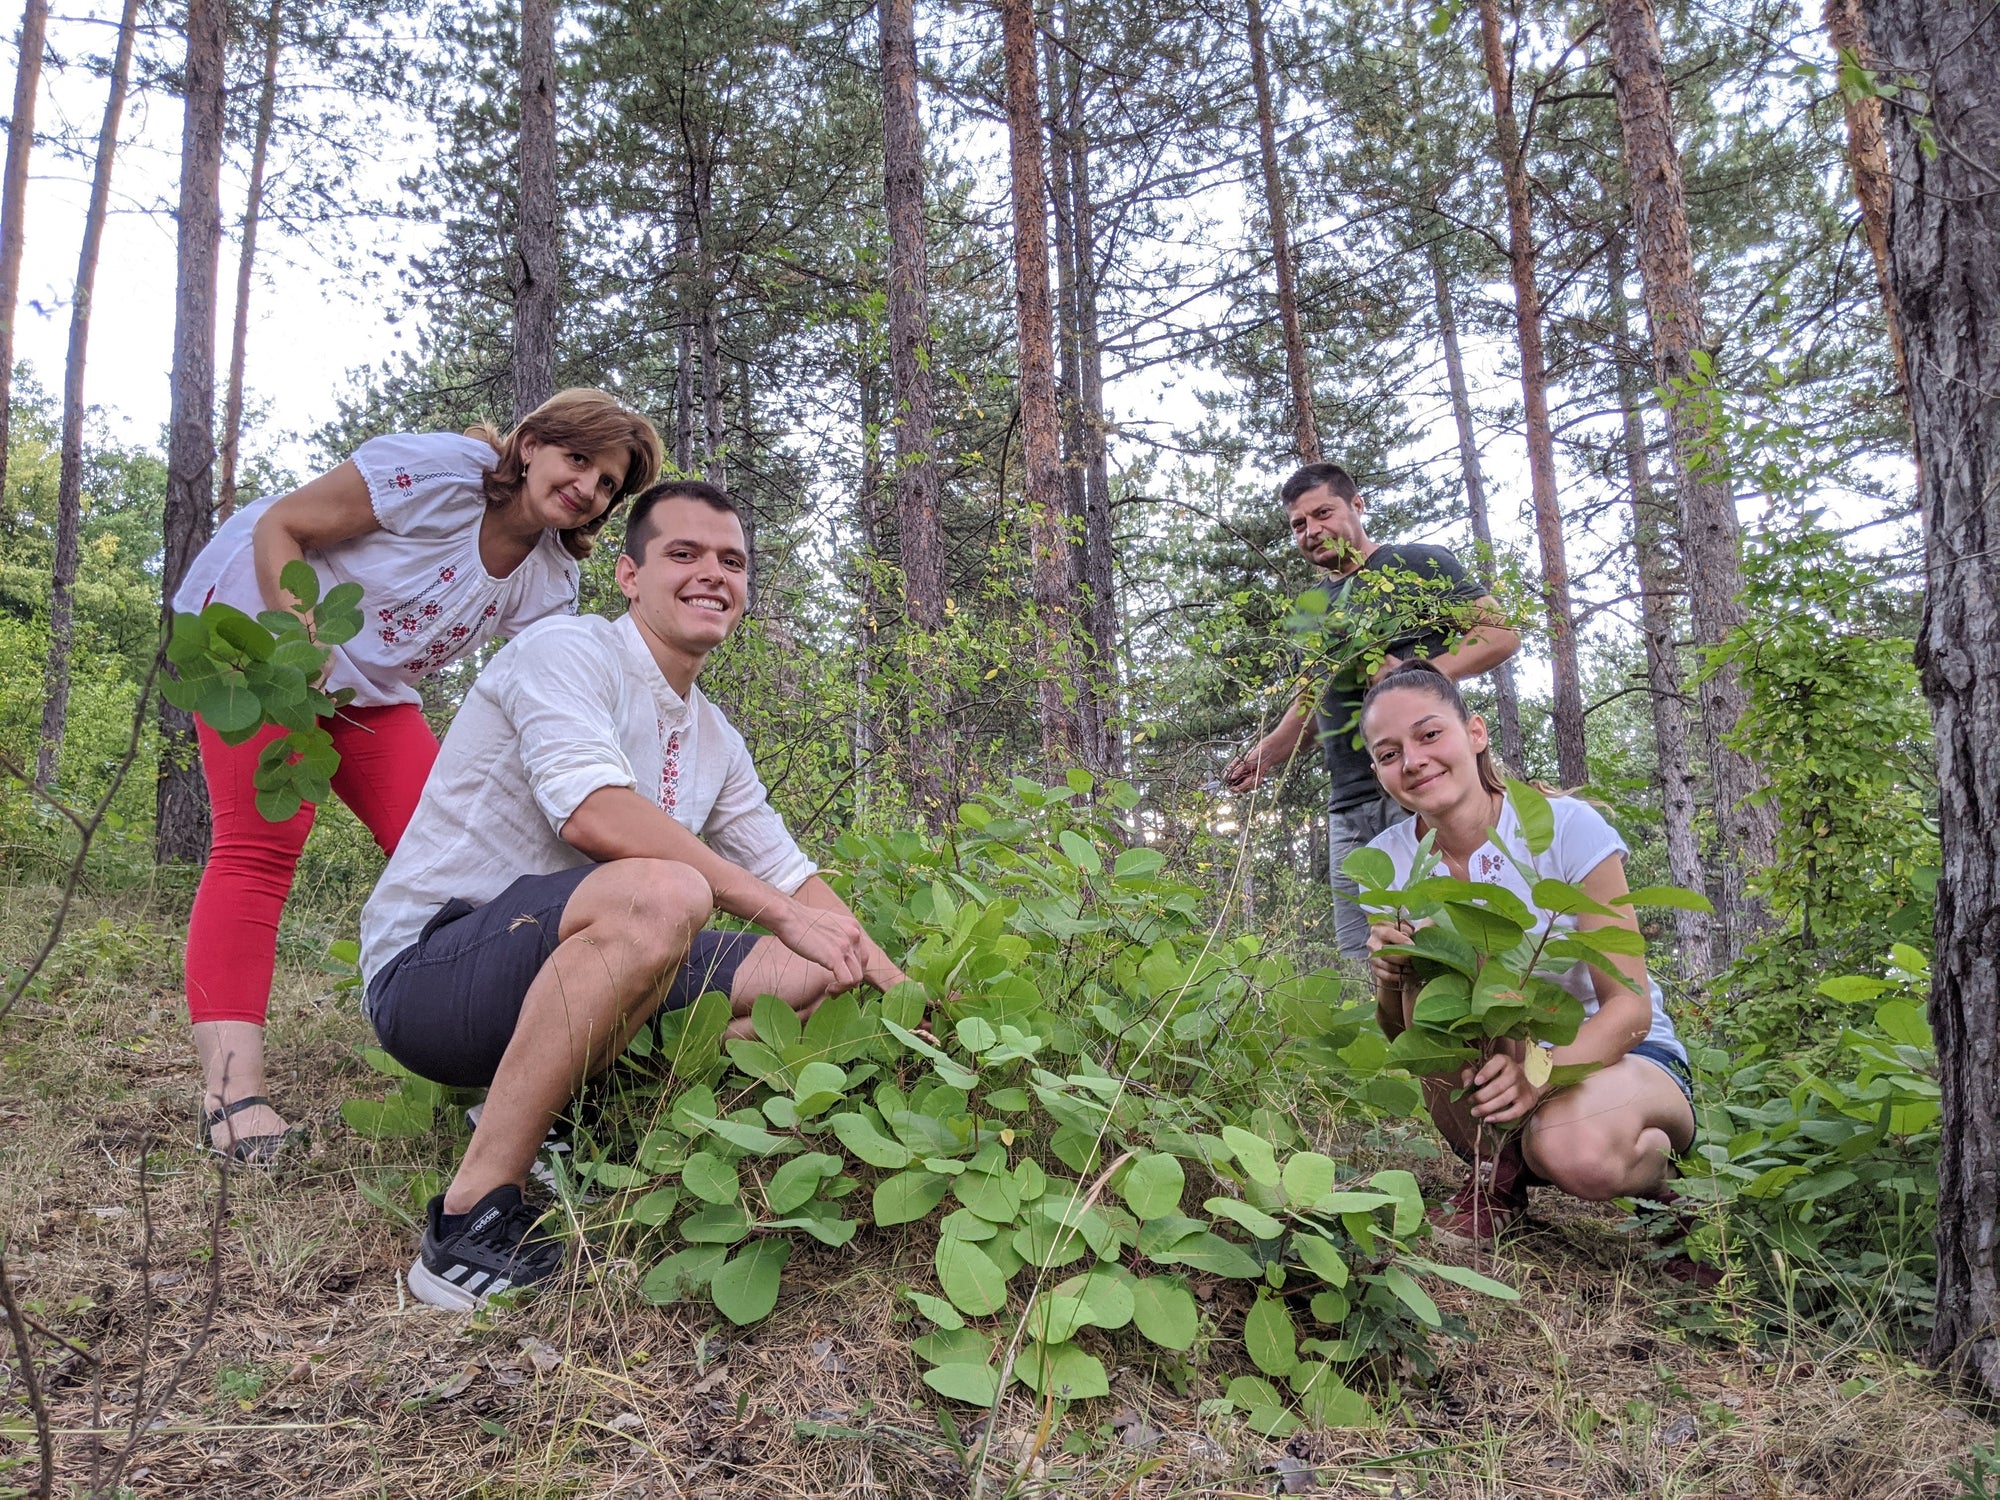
587, 421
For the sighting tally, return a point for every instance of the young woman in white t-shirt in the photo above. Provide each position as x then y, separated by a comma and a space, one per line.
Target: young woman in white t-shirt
454, 539
1613, 1134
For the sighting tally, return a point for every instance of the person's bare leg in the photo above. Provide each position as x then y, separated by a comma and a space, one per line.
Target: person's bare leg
1613, 1135
773, 969
231, 1055
624, 931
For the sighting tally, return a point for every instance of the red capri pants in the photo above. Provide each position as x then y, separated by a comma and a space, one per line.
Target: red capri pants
232, 947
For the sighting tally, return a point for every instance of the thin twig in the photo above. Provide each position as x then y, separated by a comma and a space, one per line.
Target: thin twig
17, 1323
86, 825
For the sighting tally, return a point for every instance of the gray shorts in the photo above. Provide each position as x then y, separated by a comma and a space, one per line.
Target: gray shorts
1348, 829
446, 1006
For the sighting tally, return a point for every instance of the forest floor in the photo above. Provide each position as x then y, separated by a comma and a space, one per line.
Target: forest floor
319, 1376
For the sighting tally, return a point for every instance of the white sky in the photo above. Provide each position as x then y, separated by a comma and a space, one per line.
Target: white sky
310, 326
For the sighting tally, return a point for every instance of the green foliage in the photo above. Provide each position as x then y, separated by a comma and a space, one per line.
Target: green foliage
1829, 1176
1098, 1108
1838, 722
243, 675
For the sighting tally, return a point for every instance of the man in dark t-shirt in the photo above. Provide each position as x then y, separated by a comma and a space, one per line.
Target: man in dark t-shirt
1386, 604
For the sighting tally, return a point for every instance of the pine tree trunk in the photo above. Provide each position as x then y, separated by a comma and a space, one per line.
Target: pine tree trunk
1711, 537
1099, 549
14, 204
1506, 702
1305, 418
180, 832
537, 267
1664, 688
868, 507
1572, 764
1048, 535
684, 321
1944, 262
69, 484
232, 412
714, 465
1072, 251
919, 528
920, 532
1868, 159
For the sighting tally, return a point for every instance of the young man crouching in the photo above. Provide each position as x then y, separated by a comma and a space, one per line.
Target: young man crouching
551, 893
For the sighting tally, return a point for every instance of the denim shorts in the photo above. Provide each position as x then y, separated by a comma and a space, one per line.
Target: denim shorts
446, 1006
1669, 1062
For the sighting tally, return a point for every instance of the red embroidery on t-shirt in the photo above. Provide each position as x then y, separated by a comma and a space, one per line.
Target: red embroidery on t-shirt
670, 768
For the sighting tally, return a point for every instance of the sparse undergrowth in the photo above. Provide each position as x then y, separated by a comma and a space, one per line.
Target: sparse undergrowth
321, 1379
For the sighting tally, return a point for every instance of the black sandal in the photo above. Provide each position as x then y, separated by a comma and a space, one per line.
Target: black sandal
248, 1150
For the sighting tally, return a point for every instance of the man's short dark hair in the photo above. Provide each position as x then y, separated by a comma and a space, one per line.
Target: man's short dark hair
1312, 476
639, 526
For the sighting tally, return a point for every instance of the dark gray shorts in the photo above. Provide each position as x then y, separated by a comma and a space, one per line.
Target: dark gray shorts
446, 1006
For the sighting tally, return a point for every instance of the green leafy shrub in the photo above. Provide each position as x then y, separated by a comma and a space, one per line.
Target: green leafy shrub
1828, 1177
242, 675
1084, 1096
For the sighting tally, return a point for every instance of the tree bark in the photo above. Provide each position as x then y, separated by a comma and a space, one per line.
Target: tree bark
1099, 545
917, 522
1944, 263
684, 321
1664, 687
1868, 159
232, 412
537, 268
919, 526
69, 484
1082, 424
1048, 533
1572, 763
1507, 703
180, 832
1305, 418
1711, 536
14, 204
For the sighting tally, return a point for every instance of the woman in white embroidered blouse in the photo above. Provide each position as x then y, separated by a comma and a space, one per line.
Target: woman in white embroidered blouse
454, 539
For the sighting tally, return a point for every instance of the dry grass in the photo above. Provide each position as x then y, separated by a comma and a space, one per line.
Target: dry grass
322, 1379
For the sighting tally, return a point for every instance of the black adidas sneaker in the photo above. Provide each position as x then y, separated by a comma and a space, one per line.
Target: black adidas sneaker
492, 1247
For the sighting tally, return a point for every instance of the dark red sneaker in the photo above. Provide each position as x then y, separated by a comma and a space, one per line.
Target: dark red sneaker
1483, 1211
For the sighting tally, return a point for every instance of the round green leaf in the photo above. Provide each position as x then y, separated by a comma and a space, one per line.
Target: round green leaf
1260, 1224
1106, 1295
1270, 1336
1164, 1311
797, 1180
936, 1309
976, 1035
969, 1277
820, 1086
1063, 1371
717, 1224
991, 1195
746, 1288
908, 1196
1308, 1177
859, 1135
1152, 1185
710, 1178
1055, 1318
976, 1385
682, 1274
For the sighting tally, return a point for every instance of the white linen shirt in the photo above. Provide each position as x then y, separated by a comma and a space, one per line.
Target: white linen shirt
1583, 841
567, 707
426, 597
